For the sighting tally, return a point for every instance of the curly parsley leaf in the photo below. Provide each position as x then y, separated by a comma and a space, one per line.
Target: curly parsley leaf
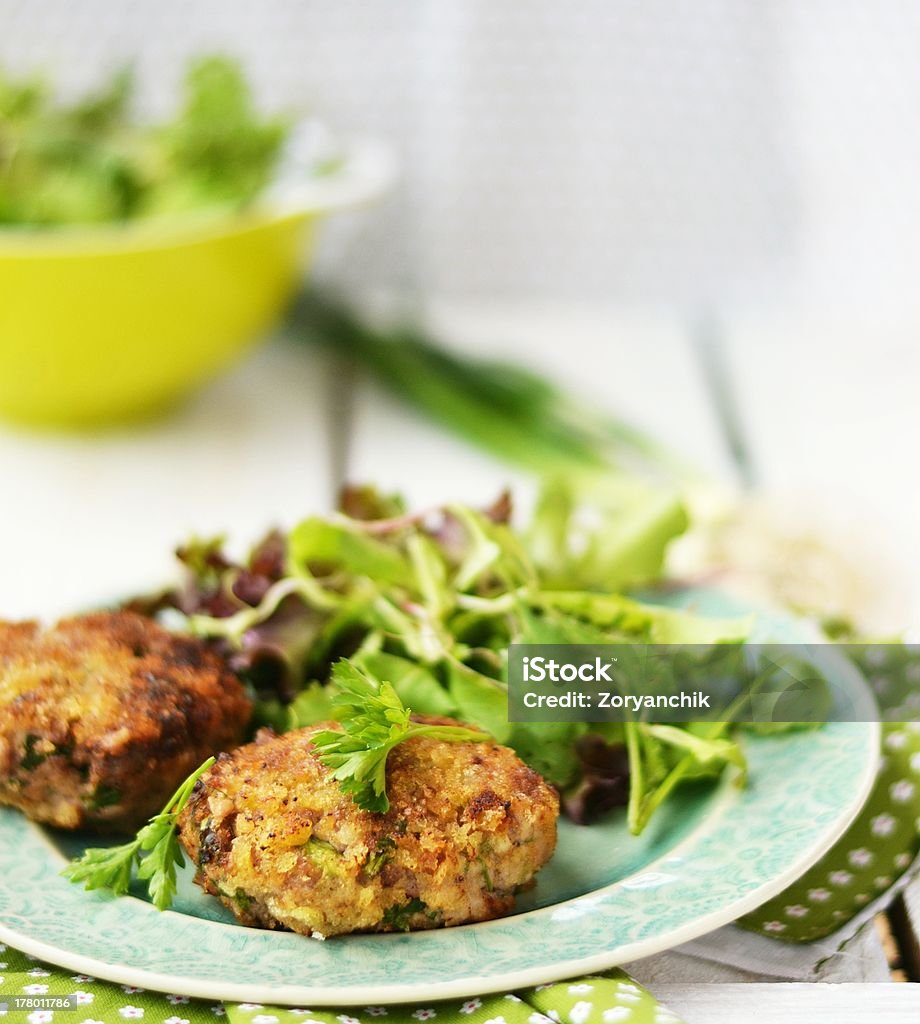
374, 721
105, 868
154, 854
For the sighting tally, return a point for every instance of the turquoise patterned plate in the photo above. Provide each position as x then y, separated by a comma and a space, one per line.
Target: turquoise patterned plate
607, 898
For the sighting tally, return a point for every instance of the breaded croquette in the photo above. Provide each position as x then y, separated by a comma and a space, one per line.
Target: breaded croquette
104, 715
278, 841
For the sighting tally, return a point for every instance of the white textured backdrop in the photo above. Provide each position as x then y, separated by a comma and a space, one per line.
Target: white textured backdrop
691, 153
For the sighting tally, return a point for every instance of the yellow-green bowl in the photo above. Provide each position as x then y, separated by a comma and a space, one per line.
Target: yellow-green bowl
106, 323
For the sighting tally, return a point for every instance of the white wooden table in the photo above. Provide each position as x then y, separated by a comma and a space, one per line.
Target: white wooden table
827, 419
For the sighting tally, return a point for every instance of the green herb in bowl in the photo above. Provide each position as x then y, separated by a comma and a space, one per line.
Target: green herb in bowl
93, 161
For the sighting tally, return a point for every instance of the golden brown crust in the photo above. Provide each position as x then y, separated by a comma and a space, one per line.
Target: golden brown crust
276, 839
104, 715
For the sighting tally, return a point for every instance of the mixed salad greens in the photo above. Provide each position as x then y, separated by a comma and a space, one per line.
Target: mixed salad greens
91, 161
429, 602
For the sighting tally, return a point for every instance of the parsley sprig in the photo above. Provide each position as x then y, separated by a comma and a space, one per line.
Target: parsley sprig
154, 853
374, 720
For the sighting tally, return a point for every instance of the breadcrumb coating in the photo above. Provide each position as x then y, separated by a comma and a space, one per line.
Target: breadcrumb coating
276, 839
104, 715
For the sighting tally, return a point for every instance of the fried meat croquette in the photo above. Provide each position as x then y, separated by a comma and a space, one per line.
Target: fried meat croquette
104, 715
276, 839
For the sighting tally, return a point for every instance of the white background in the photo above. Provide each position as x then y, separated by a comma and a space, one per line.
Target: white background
687, 152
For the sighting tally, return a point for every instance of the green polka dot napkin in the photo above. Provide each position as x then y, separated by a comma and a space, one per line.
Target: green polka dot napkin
90, 1001
877, 849
612, 998
884, 841
606, 999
